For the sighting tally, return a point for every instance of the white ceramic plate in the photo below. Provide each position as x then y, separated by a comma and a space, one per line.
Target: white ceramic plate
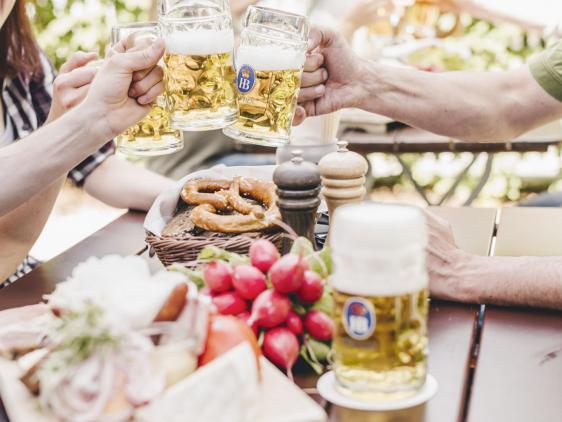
327, 389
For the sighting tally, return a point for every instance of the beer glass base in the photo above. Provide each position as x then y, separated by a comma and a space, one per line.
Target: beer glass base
328, 388
150, 147
198, 122
255, 138
373, 385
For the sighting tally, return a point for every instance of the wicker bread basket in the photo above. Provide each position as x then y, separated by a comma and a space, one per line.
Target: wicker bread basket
186, 248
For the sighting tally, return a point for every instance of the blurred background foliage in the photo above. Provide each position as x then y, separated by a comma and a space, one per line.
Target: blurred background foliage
65, 26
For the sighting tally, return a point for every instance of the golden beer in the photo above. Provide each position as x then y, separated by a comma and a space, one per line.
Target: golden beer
153, 135
269, 63
381, 300
392, 358
268, 109
199, 75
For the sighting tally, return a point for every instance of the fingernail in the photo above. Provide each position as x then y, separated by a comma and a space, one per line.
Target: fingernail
324, 74
320, 89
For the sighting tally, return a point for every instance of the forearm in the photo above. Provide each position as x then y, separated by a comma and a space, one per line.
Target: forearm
32, 164
122, 184
519, 281
20, 228
471, 106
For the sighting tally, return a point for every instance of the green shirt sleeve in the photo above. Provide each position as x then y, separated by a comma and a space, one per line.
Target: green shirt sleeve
546, 68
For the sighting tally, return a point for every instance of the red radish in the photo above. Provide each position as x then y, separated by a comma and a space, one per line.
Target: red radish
270, 309
245, 316
263, 254
312, 288
281, 347
218, 276
248, 281
294, 323
229, 303
287, 274
319, 325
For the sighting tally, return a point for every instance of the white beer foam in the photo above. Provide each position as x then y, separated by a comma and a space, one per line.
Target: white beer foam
269, 58
378, 250
200, 42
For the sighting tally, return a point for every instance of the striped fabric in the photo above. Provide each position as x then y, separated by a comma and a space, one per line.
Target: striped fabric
27, 103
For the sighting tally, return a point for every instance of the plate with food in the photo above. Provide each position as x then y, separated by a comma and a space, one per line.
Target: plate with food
117, 343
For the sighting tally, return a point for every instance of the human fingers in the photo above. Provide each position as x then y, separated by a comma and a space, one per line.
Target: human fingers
142, 86
300, 115
318, 77
319, 37
151, 94
311, 93
133, 61
313, 61
75, 97
78, 59
74, 79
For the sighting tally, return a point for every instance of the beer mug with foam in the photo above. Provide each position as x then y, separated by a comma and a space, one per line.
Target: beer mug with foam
199, 70
269, 65
381, 300
153, 135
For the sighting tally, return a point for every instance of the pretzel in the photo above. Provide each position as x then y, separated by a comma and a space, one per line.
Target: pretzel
191, 192
214, 196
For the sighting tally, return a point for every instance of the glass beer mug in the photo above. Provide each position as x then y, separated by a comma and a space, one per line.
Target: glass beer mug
269, 64
199, 70
381, 295
153, 135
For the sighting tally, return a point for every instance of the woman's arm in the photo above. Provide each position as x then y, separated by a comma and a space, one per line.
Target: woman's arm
33, 168
122, 184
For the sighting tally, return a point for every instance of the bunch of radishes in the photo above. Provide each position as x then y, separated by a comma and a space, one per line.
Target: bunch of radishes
284, 299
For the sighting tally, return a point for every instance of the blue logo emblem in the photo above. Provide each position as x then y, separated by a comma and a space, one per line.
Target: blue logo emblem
359, 318
245, 80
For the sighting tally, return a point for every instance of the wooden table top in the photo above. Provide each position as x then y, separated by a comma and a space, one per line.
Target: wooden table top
519, 371
451, 326
516, 375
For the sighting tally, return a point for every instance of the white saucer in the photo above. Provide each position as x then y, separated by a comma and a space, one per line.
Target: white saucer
328, 390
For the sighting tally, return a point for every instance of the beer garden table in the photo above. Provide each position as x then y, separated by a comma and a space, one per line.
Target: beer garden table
510, 369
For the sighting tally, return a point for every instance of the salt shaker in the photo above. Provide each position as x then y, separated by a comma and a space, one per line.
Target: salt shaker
298, 186
343, 176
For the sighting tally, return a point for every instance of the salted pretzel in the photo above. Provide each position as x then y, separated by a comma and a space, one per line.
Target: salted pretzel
213, 196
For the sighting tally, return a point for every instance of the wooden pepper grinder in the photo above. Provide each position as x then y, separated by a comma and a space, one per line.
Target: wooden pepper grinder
298, 186
343, 176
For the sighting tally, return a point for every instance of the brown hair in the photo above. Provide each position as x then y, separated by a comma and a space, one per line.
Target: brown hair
19, 52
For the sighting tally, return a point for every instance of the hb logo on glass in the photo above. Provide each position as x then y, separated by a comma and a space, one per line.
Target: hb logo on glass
245, 80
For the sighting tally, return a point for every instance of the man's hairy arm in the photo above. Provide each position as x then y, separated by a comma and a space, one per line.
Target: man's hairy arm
471, 106
463, 277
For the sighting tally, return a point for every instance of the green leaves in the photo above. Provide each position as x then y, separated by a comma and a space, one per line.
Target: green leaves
318, 261
326, 303
212, 253
196, 276
315, 353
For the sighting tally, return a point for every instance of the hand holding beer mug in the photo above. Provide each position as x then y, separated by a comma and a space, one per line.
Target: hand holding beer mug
380, 285
269, 65
153, 135
198, 63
